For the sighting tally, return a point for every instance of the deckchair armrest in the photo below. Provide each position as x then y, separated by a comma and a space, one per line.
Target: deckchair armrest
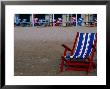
66, 47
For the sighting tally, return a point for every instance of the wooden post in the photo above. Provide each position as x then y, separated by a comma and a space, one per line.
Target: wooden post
53, 20
64, 20
82, 16
76, 19
33, 20
71, 20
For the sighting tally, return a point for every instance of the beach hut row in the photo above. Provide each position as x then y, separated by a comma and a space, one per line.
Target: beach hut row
43, 20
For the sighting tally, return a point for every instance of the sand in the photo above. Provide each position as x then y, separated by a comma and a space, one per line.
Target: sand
37, 51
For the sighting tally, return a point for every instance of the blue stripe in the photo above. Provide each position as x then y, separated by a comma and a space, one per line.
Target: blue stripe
85, 43
79, 45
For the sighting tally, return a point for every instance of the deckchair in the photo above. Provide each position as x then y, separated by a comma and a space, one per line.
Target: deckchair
81, 56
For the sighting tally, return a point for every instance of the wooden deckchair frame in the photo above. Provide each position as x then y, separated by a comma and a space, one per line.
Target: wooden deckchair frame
86, 65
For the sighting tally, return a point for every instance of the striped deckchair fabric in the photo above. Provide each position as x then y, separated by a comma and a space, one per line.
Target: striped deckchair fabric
80, 57
83, 46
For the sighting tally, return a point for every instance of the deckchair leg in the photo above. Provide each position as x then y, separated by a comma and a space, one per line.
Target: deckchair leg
94, 65
90, 67
62, 64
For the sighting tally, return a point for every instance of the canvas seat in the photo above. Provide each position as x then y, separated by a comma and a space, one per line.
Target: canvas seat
82, 53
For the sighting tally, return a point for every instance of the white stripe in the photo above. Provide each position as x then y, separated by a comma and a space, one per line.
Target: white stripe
87, 45
94, 39
82, 45
76, 45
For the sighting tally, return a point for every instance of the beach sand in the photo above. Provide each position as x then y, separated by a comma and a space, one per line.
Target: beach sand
37, 51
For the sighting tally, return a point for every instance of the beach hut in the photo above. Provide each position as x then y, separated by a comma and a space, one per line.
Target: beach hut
89, 20
42, 19
22, 19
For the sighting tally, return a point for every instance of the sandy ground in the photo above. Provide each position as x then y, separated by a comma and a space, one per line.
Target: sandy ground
38, 50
